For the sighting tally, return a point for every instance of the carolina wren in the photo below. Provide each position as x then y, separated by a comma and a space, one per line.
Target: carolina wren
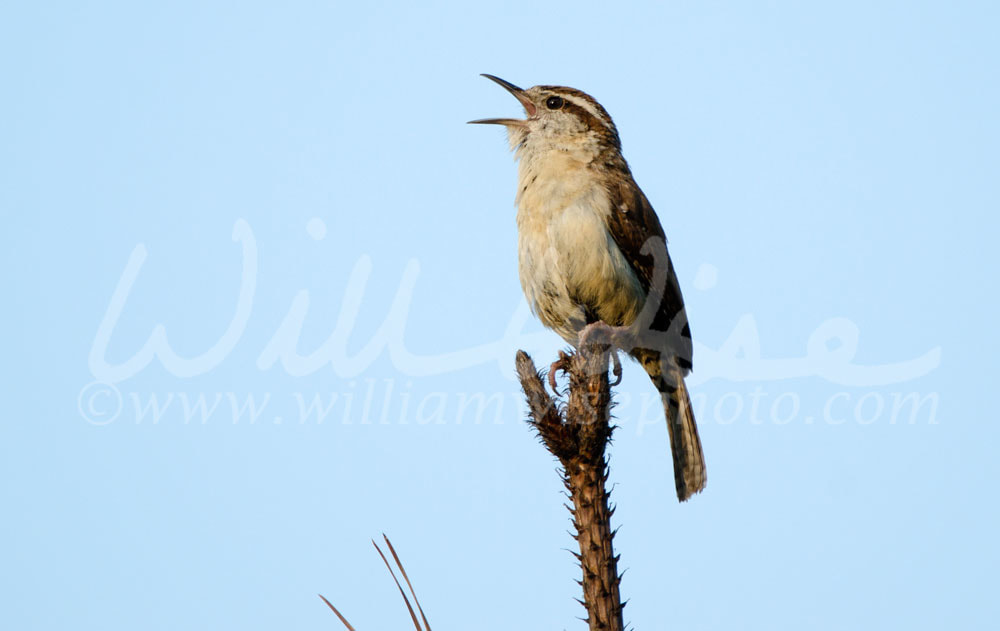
591, 250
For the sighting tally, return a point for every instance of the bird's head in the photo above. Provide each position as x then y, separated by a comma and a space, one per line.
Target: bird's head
557, 119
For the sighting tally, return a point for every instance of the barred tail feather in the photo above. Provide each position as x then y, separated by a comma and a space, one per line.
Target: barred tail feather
689, 461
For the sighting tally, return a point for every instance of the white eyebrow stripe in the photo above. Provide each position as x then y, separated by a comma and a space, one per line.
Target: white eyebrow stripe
587, 105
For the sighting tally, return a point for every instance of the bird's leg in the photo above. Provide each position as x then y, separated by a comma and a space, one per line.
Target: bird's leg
617, 337
620, 337
560, 364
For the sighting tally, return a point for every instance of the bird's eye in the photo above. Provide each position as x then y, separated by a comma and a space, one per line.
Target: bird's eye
554, 102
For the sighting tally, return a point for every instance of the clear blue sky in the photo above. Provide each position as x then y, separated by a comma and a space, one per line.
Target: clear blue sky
292, 193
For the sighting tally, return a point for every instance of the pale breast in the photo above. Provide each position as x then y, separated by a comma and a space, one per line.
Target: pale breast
571, 269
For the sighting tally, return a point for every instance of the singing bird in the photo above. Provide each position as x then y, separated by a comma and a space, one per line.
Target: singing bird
591, 250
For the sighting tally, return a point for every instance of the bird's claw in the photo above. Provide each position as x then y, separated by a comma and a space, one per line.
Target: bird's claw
616, 368
560, 364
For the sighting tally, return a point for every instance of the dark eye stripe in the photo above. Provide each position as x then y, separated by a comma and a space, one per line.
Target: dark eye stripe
582, 105
609, 131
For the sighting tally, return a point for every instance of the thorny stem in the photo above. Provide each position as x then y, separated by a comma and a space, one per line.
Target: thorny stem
578, 437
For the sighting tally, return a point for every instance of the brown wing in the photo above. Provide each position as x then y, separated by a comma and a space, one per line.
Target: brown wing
634, 226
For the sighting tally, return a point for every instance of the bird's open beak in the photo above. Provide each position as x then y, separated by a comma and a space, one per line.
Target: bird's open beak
519, 94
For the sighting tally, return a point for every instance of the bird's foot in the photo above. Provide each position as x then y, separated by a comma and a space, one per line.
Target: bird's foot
560, 364
617, 337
